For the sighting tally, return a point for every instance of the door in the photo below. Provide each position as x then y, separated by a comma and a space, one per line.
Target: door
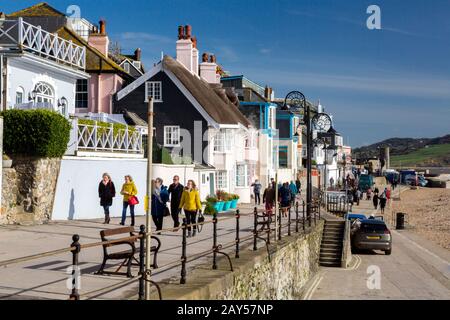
211, 183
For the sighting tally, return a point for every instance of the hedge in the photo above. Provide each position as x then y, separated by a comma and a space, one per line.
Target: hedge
40, 133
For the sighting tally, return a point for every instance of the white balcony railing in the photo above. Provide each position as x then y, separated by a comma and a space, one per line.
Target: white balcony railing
108, 139
23, 35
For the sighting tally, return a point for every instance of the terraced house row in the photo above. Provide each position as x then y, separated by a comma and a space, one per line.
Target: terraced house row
221, 130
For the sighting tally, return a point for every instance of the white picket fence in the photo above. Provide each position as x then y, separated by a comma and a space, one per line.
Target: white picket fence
94, 138
18, 33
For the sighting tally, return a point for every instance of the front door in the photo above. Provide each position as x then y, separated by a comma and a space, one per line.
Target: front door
211, 183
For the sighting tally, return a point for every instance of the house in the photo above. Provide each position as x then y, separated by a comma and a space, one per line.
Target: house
196, 119
39, 69
255, 104
132, 64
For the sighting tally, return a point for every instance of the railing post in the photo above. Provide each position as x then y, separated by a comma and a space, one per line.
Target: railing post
142, 279
214, 241
20, 30
304, 220
279, 224
95, 136
75, 268
296, 216
111, 137
255, 229
183, 253
289, 222
237, 233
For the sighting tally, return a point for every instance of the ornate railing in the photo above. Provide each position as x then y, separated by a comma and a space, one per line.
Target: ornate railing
109, 139
18, 33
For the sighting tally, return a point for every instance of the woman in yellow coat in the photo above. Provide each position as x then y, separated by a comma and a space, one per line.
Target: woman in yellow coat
190, 203
128, 190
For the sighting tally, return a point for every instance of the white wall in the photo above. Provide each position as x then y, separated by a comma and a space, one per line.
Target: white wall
76, 192
24, 72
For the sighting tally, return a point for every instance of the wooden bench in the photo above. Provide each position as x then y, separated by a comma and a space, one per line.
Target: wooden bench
128, 256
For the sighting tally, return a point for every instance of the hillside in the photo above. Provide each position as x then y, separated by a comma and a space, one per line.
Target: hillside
401, 146
431, 156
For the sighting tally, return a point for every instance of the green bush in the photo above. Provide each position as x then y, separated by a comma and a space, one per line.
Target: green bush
40, 133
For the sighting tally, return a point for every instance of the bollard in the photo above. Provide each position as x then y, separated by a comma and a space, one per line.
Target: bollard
289, 222
75, 269
215, 242
238, 216
296, 217
183, 253
142, 279
255, 229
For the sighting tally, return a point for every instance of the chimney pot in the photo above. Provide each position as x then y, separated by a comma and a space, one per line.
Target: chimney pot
188, 32
194, 42
138, 54
102, 26
205, 57
213, 58
180, 32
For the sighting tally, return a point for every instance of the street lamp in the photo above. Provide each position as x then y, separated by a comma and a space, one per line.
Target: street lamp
296, 101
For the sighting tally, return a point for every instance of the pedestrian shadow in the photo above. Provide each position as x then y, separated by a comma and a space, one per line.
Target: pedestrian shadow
72, 205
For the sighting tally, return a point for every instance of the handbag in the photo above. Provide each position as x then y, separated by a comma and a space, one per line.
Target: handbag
200, 220
133, 200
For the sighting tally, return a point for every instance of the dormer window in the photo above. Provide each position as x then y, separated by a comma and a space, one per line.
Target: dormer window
126, 67
137, 64
153, 89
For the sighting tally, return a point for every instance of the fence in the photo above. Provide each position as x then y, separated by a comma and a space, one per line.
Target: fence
21, 34
338, 204
263, 228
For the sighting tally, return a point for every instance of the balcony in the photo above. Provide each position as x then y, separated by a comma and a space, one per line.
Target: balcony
18, 35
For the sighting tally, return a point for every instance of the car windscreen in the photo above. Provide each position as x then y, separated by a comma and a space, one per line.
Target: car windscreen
373, 228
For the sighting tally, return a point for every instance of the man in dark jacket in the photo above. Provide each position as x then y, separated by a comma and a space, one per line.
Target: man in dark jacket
257, 191
175, 192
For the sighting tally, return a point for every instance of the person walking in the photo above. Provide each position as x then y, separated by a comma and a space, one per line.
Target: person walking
160, 196
294, 192
383, 201
269, 199
369, 194
106, 193
358, 196
190, 203
175, 192
129, 192
257, 191
284, 195
375, 200
298, 184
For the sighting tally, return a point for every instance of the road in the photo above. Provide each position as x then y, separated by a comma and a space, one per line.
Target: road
417, 269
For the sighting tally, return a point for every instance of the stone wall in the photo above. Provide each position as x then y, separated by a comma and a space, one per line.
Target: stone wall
294, 261
28, 190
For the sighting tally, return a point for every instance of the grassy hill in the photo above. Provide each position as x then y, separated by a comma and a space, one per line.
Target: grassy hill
433, 155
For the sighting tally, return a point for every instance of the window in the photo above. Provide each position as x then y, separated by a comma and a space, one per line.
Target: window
203, 178
126, 67
171, 136
221, 180
19, 96
223, 141
241, 175
44, 93
283, 157
153, 89
137, 64
81, 94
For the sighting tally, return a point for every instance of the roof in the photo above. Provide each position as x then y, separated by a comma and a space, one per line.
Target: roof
38, 10
95, 60
133, 119
223, 112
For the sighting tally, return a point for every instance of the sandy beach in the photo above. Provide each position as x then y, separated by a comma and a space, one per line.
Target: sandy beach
428, 213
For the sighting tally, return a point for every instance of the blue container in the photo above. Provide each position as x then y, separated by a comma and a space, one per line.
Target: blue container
227, 206
219, 206
234, 204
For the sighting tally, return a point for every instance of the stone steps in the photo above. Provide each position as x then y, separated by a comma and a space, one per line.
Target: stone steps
331, 247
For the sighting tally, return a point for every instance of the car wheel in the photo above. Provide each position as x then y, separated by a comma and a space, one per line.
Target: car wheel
388, 252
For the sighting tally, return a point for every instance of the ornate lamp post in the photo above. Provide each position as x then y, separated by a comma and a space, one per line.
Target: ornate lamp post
296, 101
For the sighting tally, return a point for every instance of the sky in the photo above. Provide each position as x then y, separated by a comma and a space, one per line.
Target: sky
377, 84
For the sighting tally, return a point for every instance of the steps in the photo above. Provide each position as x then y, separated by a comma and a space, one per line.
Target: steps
331, 247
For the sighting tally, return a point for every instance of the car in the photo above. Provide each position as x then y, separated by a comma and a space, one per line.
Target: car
422, 181
354, 216
372, 234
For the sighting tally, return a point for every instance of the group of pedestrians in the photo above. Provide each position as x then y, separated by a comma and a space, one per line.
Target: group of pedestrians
181, 198
381, 199
287, 193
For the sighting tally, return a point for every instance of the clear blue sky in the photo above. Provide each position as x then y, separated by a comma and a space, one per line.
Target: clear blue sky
378, 84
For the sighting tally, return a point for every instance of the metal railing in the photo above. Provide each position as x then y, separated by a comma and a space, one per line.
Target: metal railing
263, 224
23, 35
338, 205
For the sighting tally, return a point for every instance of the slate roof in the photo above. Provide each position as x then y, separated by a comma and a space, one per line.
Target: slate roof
38, 10
95, 60
221, 110
133, 119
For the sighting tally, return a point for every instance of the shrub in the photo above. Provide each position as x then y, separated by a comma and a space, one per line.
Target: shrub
40, 133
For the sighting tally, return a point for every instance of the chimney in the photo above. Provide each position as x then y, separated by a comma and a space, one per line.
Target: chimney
100, 40
187, 55
208, 70
138, 54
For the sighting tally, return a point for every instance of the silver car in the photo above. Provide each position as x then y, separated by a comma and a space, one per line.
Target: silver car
372, 234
